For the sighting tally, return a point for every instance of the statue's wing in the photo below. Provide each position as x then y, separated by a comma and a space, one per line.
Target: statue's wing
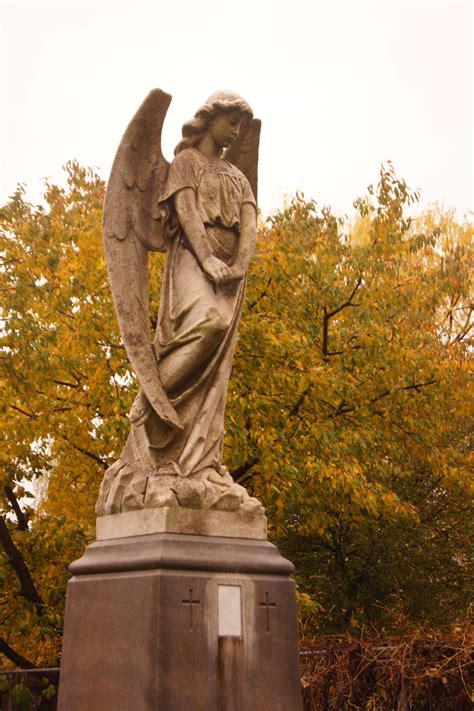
131, 228
244, 153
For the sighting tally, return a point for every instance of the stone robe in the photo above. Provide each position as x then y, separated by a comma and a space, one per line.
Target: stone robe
193, 312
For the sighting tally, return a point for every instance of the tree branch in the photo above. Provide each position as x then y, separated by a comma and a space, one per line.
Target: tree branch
64, 382
328, 316
30, 415
418, 386
414, 386
239, 472
465, 329
86, 452
14, 657
346, 303
20, 516
342, 409
93, 456
296, 407
261, 296
27, 587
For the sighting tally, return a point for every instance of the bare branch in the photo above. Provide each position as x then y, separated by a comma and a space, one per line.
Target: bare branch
87, 453
14, 656
91, 455
328, 315
239, 473
30, 415
414, 386
63, 382
296, 407
348, 302
465, 329
27, 587
20, 516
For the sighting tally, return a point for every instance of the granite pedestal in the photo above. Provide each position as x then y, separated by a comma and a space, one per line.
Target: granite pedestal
170, 622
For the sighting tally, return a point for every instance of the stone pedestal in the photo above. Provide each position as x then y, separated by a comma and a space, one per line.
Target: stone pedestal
234, 524
168, 622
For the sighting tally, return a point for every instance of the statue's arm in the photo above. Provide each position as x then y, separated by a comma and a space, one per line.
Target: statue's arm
193, 228
247, 240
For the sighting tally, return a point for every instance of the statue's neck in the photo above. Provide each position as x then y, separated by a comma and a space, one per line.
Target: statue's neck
209, 147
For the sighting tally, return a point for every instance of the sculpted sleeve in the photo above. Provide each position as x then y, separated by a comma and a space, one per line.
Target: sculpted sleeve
247, 194
183, 173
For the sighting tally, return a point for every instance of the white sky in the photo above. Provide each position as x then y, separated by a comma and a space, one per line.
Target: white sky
340, 87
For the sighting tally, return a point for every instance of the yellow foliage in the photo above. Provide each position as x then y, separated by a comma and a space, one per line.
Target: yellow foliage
348, 409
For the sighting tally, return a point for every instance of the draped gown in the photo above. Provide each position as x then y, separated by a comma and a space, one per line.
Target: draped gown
194, 312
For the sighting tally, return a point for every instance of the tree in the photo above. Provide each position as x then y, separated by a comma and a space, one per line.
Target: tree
65, 379
347, 412
350, 411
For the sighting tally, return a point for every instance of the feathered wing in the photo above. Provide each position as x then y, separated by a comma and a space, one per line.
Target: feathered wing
243, 153
131, 228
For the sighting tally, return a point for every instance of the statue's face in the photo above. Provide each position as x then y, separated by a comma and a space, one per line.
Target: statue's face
225, 128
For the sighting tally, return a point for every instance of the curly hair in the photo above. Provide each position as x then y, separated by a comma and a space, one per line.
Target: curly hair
217, 103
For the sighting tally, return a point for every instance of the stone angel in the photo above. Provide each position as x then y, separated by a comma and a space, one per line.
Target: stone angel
200, 209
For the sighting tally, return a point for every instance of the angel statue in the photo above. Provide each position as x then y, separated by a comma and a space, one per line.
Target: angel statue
201, 210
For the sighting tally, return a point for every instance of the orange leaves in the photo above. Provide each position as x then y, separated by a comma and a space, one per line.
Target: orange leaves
352, 404
60, 340
348, 409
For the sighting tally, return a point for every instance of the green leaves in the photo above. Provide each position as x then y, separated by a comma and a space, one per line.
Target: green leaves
348, 409
340, 393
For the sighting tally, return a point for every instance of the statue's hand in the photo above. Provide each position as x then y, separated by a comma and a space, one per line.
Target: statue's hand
217, 270
238, 272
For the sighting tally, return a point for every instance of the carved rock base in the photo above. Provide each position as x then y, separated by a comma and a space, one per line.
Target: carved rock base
126, 489
177, 622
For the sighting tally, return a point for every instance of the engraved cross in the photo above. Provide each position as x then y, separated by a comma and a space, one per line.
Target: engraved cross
191, 602
267, 605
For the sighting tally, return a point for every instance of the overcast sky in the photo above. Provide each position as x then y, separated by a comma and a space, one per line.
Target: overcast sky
340, 87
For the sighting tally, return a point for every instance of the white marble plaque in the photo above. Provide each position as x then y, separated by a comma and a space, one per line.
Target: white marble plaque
229, 603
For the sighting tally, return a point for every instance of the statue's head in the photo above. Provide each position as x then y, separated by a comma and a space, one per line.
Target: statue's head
218, 103
221, 101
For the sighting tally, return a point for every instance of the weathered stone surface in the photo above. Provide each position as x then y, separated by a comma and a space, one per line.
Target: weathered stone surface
210, 491
230, 524
142, 629
159, 615
201, 210
168, 550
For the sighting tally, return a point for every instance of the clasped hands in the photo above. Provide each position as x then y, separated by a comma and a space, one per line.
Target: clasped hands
220, 273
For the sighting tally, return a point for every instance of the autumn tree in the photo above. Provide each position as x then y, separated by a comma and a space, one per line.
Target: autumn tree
348, 410
64, 405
